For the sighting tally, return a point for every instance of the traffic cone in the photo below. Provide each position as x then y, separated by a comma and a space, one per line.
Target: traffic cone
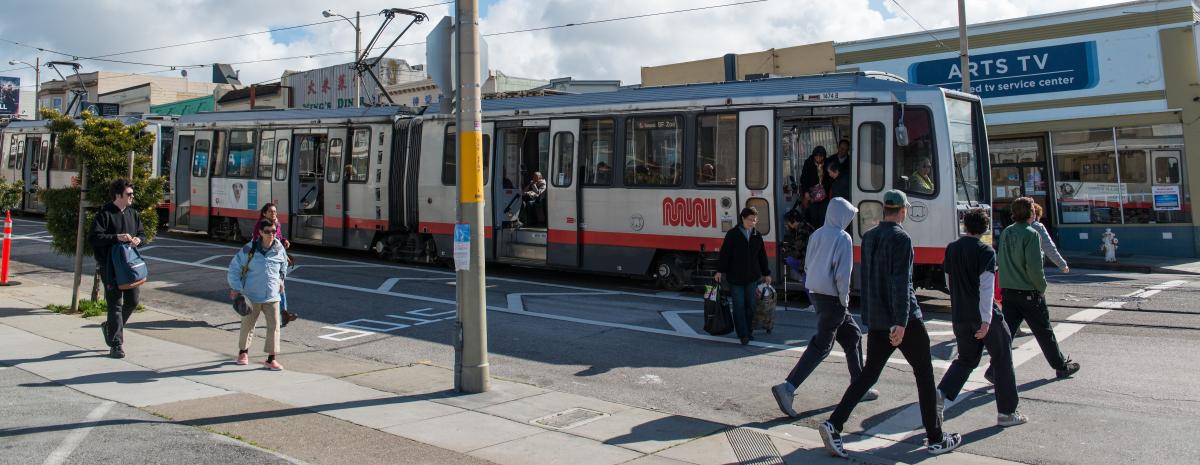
7, 246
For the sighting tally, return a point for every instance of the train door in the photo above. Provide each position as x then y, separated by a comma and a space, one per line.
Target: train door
36, 172
202, 156
15, 155
872, 129
563, 195
755, 168
281, 190
523, 153
308, 187
182, 190
336, 165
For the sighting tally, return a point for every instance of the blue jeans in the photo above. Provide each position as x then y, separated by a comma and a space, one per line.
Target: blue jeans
745, 301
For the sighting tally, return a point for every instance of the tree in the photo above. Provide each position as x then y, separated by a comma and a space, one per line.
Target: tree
103, 145
10, 194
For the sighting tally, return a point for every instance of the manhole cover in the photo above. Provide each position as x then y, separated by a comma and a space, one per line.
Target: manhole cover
569, 418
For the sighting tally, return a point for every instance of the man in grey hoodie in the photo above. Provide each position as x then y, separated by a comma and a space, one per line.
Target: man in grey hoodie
830, 259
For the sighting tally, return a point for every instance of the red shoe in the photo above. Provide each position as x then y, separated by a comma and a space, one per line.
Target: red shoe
243, 358
273, 365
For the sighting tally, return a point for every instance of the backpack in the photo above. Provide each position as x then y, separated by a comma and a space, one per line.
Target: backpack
128, 268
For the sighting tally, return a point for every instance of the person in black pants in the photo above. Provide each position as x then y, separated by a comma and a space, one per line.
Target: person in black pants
743, 262
970, 267
893, 320
115, 223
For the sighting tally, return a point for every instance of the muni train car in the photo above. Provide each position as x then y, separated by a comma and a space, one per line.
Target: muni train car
640, 182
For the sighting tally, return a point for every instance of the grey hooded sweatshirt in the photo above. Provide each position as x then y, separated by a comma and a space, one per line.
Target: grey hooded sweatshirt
830, 255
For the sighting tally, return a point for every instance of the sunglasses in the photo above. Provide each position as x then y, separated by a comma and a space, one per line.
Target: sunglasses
129, 194
269, 231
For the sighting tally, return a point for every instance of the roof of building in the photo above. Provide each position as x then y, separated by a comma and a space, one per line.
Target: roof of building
834, 82
294, 114
244, 93
184, 107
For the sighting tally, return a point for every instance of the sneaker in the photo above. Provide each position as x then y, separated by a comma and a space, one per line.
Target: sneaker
784, 398
116, 352
950, 441
1071, 368
940, 406
833, 440
1013, 419
243, 358
745, 340
273, 365
288, 317
872, 394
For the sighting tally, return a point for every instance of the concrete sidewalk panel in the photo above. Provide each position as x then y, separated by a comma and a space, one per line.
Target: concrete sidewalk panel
657, 460
414, 380
553, 448
501, 391
712, 449
645, 431
465, 432
253, 378
392, 411
323, 393
531, 408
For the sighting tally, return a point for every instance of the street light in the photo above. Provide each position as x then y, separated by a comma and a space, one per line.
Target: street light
357, 48
37, 83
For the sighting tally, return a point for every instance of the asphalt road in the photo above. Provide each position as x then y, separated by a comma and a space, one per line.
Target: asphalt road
622, 341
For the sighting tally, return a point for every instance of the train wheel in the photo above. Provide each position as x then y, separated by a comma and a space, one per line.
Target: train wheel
667, 273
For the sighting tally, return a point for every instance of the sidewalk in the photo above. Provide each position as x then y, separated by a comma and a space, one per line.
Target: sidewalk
1137, 263
327, 408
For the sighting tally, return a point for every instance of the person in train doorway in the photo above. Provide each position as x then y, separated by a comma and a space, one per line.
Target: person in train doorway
814, 188
830, 260
970, 267
795, 238
534, 192
258, 271
1023, 287
743, 264
270, 213
894, 321
921, 180
116, 223
840, 186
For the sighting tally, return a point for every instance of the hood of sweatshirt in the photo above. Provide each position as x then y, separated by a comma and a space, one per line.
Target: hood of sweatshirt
840, 213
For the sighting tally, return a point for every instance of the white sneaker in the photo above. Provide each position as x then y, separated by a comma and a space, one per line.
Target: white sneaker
833, 440
784, 398
1013, 419
872, 394
950, 441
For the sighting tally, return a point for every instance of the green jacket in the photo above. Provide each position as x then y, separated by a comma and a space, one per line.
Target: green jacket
1020, 257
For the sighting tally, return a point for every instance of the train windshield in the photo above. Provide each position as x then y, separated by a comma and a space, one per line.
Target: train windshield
964, 141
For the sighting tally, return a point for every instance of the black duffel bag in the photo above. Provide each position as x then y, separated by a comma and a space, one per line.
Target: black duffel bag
718, 312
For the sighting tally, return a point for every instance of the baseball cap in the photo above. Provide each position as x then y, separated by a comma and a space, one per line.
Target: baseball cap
895, 198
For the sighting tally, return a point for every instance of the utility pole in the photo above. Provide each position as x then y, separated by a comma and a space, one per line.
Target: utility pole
79, 234
964, 60
357, 51
471, 298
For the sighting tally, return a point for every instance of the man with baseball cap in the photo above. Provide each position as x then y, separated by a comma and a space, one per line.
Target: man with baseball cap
889, 307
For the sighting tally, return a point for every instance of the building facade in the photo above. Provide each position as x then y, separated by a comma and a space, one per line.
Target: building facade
125, 87
333, 86
138, 99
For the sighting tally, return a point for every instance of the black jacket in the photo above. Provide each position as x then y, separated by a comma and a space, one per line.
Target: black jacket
743, 262
111, 221
888, 298
839, 187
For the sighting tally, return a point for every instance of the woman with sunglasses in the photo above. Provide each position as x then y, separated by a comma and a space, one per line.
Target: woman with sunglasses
258, 271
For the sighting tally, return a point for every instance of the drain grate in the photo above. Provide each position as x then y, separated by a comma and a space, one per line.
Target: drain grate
753, 447
569, 418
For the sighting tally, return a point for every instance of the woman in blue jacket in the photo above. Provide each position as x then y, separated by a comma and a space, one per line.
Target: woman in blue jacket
258, 271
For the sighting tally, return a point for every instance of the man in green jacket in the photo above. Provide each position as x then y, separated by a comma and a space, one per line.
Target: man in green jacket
1023, 285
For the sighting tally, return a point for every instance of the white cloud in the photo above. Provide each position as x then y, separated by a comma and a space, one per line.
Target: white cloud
614, 50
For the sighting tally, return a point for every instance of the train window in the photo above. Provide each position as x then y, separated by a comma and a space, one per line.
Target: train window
870, 213
716, 150
871, 140
218, 154
266, 154
652, 151
764, 214
14, 149
360, 156
564, 159
333, 168
756, 157
241, 154
166, 149
200, 159
45, 156
914, 168
281, 160
449, 157
596, 152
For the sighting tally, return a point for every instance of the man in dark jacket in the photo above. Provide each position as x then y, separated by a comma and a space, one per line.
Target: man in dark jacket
743, 262
893, 321
839, 183
116, 223
970, 267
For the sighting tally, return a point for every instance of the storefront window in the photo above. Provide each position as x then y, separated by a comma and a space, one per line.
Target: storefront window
1152, 199
1088, 191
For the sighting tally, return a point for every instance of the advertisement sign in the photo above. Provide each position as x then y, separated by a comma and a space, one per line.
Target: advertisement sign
462, 247
1166, 198
1055, 68
333, 86
10, 95
103, 109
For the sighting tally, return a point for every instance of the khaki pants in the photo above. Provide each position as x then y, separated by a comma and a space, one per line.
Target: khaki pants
271, 311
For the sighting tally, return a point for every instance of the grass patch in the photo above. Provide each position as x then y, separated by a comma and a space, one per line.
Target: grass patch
88, 308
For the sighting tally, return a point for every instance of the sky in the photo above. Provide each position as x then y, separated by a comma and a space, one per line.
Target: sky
77, 30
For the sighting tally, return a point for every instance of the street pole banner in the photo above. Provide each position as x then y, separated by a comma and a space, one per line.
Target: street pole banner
462, 247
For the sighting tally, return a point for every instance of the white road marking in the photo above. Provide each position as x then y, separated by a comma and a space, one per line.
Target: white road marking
387, 285
907, 422
343, 334
77, 435
209, 259
677, 322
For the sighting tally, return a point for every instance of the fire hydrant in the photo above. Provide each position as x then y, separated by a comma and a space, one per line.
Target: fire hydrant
1108, 244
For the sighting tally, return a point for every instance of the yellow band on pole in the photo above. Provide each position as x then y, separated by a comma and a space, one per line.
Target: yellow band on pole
470, 162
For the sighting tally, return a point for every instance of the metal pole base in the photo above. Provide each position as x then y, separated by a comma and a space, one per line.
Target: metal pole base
476, 379
10, 283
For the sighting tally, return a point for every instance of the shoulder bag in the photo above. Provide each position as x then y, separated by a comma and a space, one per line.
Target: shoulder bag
241, 303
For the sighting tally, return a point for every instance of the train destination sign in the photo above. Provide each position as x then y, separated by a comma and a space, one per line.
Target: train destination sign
1055, 68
